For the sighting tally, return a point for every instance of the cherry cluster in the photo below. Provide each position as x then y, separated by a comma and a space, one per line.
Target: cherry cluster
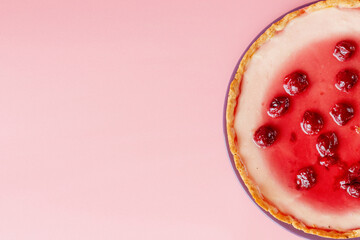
312, 122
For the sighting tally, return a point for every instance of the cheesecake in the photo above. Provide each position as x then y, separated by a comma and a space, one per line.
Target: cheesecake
293, 119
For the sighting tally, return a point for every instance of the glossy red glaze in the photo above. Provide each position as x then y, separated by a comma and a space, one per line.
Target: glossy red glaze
294, 149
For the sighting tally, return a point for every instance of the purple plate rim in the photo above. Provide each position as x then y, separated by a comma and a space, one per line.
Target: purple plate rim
287, 226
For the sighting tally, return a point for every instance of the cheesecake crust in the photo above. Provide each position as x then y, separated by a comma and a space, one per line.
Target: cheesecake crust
233, 139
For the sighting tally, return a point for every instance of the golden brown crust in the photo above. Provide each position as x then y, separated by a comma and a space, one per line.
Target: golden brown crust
234, 92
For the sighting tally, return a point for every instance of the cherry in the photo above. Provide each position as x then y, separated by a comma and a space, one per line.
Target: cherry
278, 106
344, 182
295, 83
326, 144
265, 136
351, 180
342, 113
345, 80
312, 123
352, 175
306, 178
354, 190
344, 50
328, 161
354, 171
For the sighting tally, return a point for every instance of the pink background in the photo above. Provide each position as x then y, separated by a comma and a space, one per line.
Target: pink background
111, 119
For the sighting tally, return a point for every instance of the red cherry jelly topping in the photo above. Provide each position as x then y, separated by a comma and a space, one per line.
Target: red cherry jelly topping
295, 150
305, 178
342, 113
278, 106
326, 144
311, 123
344, 50
265, 136
295, 83
345, 80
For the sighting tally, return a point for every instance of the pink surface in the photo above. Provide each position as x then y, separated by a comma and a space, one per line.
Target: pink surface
111, 119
